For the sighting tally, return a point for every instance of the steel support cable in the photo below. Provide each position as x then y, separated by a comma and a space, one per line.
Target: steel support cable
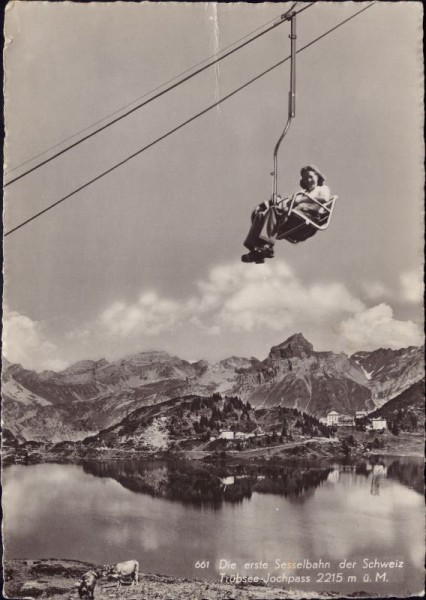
282, 20
170, 132
140, 97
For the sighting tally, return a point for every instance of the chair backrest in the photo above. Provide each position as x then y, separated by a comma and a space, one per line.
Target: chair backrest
323, 221
299, 226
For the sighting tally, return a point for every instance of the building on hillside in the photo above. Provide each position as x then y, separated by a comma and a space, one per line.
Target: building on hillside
332, 418
241, 435
360, 414
226, 435
379, 423
345, 421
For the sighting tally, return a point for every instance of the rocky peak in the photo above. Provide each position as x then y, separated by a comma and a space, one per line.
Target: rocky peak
296, 345
236, 362
200, 366
82, 366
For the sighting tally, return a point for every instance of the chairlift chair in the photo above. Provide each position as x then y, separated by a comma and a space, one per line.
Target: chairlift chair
298, 226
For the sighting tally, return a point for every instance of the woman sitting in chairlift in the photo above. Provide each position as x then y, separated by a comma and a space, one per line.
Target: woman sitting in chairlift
269, 217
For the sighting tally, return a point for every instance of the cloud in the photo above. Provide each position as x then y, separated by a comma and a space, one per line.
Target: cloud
412, 287
150, 315
245, 298
235, 305
25, 342
375, 327
375, 290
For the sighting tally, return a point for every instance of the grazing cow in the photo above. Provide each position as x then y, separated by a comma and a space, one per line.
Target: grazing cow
123, 571
87, 585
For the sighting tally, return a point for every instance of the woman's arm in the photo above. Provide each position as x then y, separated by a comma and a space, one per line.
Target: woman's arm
321, 193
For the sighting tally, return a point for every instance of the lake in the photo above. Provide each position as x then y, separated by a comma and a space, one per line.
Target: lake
301, 521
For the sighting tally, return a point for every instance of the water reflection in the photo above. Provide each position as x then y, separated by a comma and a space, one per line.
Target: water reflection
108, 512
211, 486
378, 473
409, 472
406, 470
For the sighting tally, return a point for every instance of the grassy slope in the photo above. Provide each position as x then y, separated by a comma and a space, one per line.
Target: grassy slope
56, 579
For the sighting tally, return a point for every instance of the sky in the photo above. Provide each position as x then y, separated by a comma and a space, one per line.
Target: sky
148, 257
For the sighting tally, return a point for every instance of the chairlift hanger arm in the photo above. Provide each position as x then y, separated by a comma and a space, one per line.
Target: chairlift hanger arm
291, 100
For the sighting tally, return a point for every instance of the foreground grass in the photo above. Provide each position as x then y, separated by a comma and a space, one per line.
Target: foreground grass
56, 579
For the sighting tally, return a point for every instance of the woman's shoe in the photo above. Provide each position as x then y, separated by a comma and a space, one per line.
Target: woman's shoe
253, 256
267, 250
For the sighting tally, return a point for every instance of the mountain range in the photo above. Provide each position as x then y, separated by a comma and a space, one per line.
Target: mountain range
90, 396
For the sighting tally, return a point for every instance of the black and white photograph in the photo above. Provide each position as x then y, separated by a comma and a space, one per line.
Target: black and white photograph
213, 338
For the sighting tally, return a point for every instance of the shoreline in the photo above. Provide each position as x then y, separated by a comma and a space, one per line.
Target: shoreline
301, 449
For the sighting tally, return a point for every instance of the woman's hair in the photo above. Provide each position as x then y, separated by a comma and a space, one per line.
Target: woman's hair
303, 172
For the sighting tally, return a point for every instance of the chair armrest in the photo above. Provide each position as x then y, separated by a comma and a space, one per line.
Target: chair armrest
307, 219
323, 203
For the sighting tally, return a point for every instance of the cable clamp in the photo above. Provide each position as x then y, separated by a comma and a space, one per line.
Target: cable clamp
287, 16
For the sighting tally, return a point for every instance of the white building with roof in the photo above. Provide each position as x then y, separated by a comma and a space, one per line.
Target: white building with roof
332, 418
360, 414
345, 421
379, 423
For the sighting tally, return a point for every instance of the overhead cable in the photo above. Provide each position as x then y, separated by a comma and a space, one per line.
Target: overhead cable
170, 132
140, 97
281, 20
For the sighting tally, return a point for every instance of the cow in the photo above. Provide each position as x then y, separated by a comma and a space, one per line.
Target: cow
123, 571
86, 587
